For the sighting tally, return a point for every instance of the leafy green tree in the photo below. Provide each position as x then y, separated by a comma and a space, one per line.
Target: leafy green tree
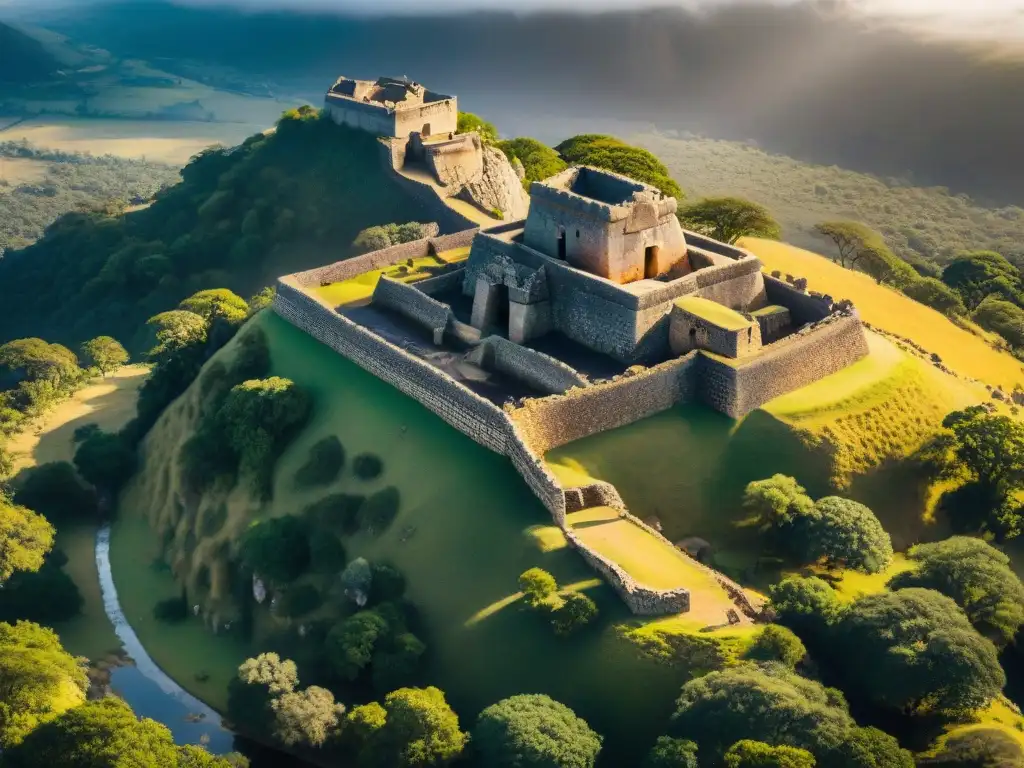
191, 756
217, 304
97, 734
38, 681
807, 605
539, 160
878, 261
977, 576
777, 500
25, 538
977, 748
351, 643
537, 585
850, 238
45, 596
261, 300
325, 462
106, 353
868, 748
1002, 317
277, 675
534, 731
176, 330
845, 533
467, 122
757, 754
577, 610
730, 218
767, 703
398, 664
260, 680
978, 274
106, 461
936, 294
672, 753
379, 510
420, 729
616, 155
41, 361
54, 491
914, 651
277, 549
776, 643
308, 717
362, 722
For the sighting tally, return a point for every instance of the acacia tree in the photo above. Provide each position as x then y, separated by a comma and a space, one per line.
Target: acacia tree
106, 353
850, 237
534, 731
730, 218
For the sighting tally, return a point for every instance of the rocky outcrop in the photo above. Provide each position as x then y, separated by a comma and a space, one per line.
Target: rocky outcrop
497, 187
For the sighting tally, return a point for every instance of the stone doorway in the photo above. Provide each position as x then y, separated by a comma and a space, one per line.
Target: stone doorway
651, 254
561, 245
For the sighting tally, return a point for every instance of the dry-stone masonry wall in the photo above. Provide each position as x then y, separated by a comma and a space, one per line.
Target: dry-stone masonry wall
413, 304
537, 369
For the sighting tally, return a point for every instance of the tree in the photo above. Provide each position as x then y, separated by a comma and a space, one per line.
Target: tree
270, 671
467, 122
191, 756
757, 754
914, 651
357, 578
617, 156
672, 753
807, 605
537, 585
97, 734
767, 703
730, 218
261, 300
844, 533
38, 681
106, 353
869, 748
978, 748
577, 610
419, 729
978, 274
25, 538
106, 461
45, 596
776, 643
277, 549
350, 643
54, 491
937, 295
850, 238
530, 731
977, 576
260, 680
777, 500
306, 717
217, 304
175, 331
1002, 317
539, 160
41, 361
878, 261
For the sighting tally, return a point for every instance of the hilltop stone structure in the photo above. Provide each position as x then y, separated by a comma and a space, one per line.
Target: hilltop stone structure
419, 130
594, 311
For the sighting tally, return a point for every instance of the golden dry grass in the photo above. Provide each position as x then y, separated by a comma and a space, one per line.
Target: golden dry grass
16, 170
968, 354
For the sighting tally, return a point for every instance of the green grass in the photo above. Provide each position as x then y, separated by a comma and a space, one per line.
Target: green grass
467, 527
361, 287
713, 312
89, 634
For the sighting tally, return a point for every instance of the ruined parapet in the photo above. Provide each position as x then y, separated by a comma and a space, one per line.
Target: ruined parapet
394, 107
535, 369
697, 323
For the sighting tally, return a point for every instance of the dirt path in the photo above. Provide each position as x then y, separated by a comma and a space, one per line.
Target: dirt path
109, 402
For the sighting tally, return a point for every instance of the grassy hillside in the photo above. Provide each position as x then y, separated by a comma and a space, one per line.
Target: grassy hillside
968, 353
23, 60
919, 223
282, 201
466, 528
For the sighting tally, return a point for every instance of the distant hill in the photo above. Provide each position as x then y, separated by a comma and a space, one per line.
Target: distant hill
23, 59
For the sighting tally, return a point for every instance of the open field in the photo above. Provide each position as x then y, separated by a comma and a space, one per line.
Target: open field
967, 354
110, 403
463, 535
361, 287
155, 140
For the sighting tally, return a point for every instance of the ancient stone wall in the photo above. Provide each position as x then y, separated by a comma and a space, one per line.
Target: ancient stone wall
392, 157
737, 387
553, 421
803, 307
412, 303
372, 118
432, 118
449, 281
455, 163
540, 371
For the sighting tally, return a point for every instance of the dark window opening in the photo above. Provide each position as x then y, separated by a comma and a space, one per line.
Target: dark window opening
750, 334
501, 310
561, 245
577, 234
693, 338
426, 129
651, 261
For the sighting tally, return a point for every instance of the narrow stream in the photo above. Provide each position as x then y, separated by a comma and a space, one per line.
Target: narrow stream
146, 687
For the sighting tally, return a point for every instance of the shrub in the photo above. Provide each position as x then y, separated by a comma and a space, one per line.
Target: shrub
277, 549
351, 643
53, 490
339, 512
776, 643
776, 501
671, 753
467, 122
106, 461
325, 462
388, 583
367, 466
576, 612
981, 748
299, 600
252, 361
756, 754
399, 664
379, 511
937, 295
537, 585
326, 553
534, 731
845, 533
806, 605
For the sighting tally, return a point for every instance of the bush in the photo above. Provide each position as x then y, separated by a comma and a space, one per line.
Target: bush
576, 612
379, 511
53, 490
46, 596
844, 533
776, 643
367, 466
981, 748
937, 295
338, 512
326, 552
388, 584
299, 600
534, 731
277, 549
106, 461
672, 753
467, 122
351, 643
537, 585
399, 664
806, 605
756, 754
325, 462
